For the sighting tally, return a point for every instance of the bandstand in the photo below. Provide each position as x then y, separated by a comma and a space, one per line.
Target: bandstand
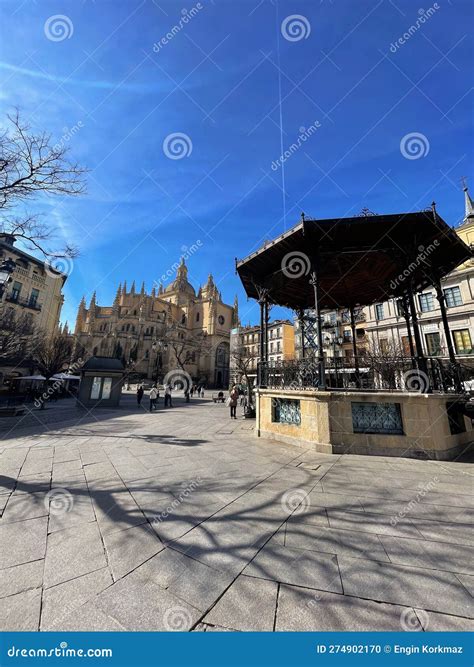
419, 408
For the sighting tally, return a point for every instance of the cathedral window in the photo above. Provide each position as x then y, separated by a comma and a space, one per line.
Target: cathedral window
197, 317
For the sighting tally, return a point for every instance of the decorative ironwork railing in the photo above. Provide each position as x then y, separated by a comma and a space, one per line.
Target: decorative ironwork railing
371, 374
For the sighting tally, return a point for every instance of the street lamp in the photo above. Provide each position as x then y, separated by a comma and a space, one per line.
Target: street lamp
335, 340
158, 346
6, 269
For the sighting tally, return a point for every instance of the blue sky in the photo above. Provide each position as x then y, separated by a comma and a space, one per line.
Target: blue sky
227, 76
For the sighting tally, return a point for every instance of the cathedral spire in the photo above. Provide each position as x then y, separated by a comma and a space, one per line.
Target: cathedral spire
93, 301
160, 288
142, 291
132, 289
468, 205
124, 291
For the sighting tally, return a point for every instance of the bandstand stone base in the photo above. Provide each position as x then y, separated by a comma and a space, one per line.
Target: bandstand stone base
413, 425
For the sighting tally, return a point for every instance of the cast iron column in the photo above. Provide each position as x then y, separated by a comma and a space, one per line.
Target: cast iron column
267, 317
444, 316
321, 364
354, 346
301, 321
261, 339
422, 366
406, 315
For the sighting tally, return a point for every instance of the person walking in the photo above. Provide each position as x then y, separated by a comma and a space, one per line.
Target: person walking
168, 402
233, 398
140, 393
153, 397
202, 392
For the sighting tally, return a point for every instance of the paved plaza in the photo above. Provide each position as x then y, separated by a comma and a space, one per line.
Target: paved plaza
184, 520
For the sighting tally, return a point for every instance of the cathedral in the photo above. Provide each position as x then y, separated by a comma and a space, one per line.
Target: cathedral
171, 328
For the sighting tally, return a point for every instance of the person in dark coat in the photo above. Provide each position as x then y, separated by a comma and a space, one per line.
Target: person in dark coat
140, 393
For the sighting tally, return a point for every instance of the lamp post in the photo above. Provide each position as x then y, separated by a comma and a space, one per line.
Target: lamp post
158, 346
335, 340
6, 269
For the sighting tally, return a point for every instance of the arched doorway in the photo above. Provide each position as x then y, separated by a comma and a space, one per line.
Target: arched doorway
221, 366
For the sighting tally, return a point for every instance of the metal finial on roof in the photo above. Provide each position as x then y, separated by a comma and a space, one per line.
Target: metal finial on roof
302, 216
365, 213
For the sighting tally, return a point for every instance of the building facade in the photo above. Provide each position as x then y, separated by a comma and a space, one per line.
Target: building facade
386, 325
140, 328
336, 334
245, 346
34, 292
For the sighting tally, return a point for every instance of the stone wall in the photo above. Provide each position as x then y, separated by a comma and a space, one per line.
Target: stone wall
326, 424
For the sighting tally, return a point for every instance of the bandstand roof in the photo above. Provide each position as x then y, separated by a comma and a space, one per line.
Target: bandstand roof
362, 259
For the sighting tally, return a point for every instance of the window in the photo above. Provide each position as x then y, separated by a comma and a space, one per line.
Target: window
16, 289
95, 391
400, 308
379, 311
34, 297
433, 344
426, 302
453, 297
462, 341
278, 346
383, 343
197, 317
406, 346
101, 388
221, 320
271, 347
278, 332
106, 388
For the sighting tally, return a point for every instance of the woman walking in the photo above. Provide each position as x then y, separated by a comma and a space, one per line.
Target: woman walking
233, 398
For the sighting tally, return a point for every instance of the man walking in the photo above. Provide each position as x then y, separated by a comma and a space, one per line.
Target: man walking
168, 402
153, 397
139, 394
233, 397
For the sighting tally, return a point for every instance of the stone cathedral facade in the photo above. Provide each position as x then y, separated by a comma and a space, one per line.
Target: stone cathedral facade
135, 329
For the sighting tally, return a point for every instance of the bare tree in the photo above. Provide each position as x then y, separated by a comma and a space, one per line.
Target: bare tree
244, 360
52, 354
17, 335
31, 164
187, 346
387, 360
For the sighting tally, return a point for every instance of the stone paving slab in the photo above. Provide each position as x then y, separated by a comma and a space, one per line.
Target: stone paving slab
301, 609
61, 600
249, 604
20, 578
184, 520
73, 552
22, 541
21, 612
296, 566
427, 589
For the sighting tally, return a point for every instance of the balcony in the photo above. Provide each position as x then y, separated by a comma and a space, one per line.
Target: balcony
21, 301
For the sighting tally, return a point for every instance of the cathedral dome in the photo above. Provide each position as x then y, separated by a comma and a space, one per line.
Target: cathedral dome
181, 283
